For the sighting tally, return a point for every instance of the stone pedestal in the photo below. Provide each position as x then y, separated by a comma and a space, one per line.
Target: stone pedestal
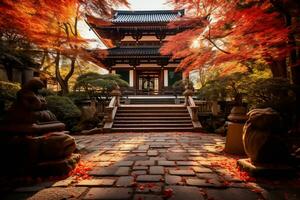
234, 139
57, 167
270, 170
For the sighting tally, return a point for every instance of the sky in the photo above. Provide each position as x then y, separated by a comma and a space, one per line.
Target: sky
147, 5
87, 33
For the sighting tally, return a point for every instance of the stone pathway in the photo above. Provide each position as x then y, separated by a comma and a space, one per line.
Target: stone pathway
155, 166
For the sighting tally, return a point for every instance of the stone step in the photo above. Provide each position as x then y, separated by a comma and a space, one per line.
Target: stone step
125, 121
153, 125
149, 118
149, 114
152, 111
152, 129
152, 101
151, 107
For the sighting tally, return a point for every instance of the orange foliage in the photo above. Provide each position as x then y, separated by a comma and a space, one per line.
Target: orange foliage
227, 31
43, 22
81, 171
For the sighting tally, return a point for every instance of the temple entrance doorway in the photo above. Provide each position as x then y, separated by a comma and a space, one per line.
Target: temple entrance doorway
148, 82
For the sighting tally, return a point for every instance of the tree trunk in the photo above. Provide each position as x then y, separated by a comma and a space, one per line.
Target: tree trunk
279, 69
63, 84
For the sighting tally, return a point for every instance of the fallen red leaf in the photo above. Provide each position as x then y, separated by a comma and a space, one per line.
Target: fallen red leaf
168, 193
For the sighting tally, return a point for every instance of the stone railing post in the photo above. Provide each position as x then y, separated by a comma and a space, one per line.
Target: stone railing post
187, 93
116, 93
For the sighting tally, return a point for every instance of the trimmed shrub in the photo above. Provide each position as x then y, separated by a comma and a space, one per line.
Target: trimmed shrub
8, 93
65, 110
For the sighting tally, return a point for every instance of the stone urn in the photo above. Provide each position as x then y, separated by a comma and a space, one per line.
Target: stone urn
263, 137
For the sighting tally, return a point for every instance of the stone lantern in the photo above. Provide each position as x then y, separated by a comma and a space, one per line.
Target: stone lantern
187, 93
116, 92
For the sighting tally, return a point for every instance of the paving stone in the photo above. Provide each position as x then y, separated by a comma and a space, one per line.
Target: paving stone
185, 192
157, 146
178, 150
122, 171
172, 180
136, 158
104, 171
143, 147
177, 156
125, 181
145, 163
202, 170
156, 170
187, 163
203, 182
182, 172
96, 182
231, 194
34, 188
140, 168
166, 163
58, 193
152, 187
149, 178
197, 158
139, 151
63, 183
102, 164
208, 176
139, 172
147, 197
108, 194
124, 163
152, 153
157, 158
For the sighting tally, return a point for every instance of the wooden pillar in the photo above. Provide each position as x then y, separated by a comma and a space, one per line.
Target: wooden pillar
131, 78
135, 80
166, 78
161, 82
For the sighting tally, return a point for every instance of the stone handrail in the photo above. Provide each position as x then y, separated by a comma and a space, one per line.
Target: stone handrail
110, 112
192, 108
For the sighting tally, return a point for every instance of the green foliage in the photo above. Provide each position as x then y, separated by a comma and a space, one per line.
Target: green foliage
8, 90
179, 86
8, 93
14, 51
46, 92
234, 86
95, 81
64, 109
277, 93
225, 87
78, 97
182, 84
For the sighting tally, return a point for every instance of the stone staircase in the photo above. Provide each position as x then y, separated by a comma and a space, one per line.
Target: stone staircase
152, 117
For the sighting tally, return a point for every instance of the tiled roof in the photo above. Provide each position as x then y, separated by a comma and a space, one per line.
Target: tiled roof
134, 51
151, 16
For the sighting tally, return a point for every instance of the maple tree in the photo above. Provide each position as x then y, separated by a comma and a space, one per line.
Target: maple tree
53, 27
229, 32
